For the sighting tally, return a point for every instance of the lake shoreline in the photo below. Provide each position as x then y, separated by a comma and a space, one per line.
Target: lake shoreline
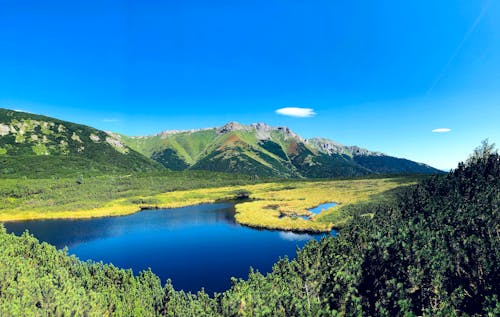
273, 206
90, 214
167, 240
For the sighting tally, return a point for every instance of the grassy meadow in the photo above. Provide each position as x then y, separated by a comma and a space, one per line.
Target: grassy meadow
271, 204
97, 196
279, 206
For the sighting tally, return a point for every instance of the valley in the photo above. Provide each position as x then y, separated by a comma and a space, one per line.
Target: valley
209, 222
57, 169
270, 205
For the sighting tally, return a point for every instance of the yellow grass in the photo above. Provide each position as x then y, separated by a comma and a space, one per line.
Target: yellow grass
296, 198
268, 202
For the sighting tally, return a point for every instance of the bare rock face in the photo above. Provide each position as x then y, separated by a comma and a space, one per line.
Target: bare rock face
260, 126
232, 126
95, 138
330, 147
262, 130
167, 133
4, 129
355, 150
289, 133
327, 146
117, 144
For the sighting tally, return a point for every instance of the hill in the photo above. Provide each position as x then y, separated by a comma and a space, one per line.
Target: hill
259, 149
34, 145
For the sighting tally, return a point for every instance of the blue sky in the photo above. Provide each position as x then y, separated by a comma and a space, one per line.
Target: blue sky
378, 74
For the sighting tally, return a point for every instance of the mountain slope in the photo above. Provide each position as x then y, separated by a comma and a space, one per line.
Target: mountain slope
259, 149
375, 162
38, 145
35, 145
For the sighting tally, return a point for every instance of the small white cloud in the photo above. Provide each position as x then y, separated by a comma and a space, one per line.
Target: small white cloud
290, 236
296, 112
441, 130
110, 120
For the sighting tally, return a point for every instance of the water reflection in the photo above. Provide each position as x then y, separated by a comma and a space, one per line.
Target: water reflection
196, 246
322, 207
292, 236
68, 232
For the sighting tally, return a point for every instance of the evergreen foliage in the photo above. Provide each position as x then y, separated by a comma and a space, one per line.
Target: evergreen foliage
434, 251
38, 146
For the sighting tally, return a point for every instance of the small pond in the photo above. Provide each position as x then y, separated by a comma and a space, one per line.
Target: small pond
316, 210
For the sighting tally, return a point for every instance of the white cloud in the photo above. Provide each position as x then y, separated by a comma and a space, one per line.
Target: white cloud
441, 130
296, 112
290, 236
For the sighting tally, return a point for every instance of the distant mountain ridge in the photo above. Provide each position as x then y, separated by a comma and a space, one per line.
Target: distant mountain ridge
263, 150
33, 144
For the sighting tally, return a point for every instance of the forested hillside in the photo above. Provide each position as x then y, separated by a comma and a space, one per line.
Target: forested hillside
37, 146
435, 251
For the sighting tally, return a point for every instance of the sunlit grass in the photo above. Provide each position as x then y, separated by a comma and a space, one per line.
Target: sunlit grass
279, 207
276, 205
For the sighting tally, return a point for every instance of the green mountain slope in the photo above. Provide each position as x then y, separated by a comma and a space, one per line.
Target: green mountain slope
259, 149
374, 162
39, 146
233, 153
35, 145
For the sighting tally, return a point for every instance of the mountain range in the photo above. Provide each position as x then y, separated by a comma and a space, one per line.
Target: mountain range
29, 142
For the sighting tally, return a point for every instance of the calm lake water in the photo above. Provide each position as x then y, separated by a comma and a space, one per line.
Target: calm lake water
197, 246
322, 207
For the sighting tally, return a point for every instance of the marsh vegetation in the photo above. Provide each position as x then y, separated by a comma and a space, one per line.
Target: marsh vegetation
271, 204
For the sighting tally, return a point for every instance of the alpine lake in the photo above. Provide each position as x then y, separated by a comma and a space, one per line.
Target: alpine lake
196, 247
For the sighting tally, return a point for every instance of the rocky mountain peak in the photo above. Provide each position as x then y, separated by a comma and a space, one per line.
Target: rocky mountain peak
326, 146
356, 150
289, 133
331, 147
166, 133
261, 126
230, 127
262, 130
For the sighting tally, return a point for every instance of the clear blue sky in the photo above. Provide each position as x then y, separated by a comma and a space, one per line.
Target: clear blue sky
378, 74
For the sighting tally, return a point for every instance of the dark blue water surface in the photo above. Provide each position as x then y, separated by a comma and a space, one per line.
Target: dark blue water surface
197, 246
